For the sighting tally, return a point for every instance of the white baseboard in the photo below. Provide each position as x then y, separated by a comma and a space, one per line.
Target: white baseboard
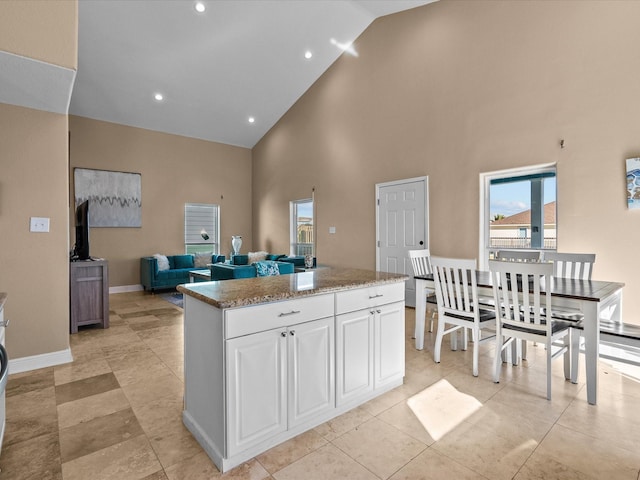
25, 364
125, 289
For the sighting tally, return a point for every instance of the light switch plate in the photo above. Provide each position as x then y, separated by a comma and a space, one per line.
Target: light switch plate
332, 229
39, 224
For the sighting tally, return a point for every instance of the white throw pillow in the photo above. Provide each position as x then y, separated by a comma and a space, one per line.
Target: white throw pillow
257, 257
201, 260
163, 262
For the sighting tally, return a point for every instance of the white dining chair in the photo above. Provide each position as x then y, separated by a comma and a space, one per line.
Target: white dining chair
517, 290
516, 256
458, 307
571, 265
578, 266
421, 265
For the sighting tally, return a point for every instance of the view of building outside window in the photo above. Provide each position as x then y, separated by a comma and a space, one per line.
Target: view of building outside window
302, 220
511, 224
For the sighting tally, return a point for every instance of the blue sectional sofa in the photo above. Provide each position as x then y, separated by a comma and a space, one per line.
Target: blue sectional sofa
238, 267
153, 279
226, 271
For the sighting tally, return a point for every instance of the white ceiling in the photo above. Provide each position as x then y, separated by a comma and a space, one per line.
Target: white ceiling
240, 58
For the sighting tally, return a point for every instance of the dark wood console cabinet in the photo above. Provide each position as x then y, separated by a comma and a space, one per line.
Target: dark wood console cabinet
89, 294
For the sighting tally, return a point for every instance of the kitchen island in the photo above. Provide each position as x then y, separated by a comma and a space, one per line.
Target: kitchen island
268, 358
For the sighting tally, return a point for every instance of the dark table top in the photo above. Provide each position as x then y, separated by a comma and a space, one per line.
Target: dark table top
591, 290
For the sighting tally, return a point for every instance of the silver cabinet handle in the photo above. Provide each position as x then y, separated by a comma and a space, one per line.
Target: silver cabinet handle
375, 296
292, 312
4, 323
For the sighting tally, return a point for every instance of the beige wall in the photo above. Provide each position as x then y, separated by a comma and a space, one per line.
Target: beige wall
175, 170
454, 89
51, 33
34, 267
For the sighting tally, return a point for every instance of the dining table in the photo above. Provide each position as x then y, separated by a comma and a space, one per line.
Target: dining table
595, 299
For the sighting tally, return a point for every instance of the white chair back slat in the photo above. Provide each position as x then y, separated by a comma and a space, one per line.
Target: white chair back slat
420, 262
521, 298
421, 265
462, 297
571, 265
453, 290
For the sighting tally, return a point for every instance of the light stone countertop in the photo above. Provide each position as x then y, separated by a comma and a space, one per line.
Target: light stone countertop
251, 291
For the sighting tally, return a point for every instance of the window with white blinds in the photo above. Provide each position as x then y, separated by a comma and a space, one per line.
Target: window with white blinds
201, 228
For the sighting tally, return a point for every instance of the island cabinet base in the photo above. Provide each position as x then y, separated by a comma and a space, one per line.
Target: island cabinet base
225, 464
259, 375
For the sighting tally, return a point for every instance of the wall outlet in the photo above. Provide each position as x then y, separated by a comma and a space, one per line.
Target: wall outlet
39, 224
332, 229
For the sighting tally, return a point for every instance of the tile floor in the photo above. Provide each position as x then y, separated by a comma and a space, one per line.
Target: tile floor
115, 413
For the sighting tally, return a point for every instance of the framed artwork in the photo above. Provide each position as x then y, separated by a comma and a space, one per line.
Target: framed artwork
633, 182
115, 198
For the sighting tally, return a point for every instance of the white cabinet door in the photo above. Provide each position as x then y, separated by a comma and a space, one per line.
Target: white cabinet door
354, 355
389, 343
256, 388
311, 370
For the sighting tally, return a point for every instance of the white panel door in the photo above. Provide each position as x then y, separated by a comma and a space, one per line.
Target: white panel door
402, 226
311, 370
354, 355
256, 388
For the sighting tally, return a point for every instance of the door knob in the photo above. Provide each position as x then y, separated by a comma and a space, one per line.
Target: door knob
421, 242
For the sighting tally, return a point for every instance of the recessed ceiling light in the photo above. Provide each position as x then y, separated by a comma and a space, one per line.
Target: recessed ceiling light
308, 54
345, 47
159, 97
200, 7
252, 119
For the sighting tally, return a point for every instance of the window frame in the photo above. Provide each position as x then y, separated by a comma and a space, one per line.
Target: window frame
293, 227
485, 206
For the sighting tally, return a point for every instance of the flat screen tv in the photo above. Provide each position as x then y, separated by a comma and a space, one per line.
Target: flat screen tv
81, 248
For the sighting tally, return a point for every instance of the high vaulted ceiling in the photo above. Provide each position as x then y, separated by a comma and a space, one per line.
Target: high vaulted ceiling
237, 59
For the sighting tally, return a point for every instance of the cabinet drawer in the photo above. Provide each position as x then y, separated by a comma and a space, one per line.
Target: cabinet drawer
258, 318
369, 297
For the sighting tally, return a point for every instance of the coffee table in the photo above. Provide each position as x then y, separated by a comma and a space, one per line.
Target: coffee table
204, 275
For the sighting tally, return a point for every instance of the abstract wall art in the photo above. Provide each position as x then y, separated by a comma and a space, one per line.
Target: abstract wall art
633, 182
115, 198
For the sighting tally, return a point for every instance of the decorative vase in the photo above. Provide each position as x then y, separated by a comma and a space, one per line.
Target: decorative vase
308, 261
236, 243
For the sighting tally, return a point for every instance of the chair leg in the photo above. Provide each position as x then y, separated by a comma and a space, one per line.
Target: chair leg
568, 344
516, 348
549, 360
575, 354
434, 315
438, 346
454, 340
476, 342
497, 361
516, 352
